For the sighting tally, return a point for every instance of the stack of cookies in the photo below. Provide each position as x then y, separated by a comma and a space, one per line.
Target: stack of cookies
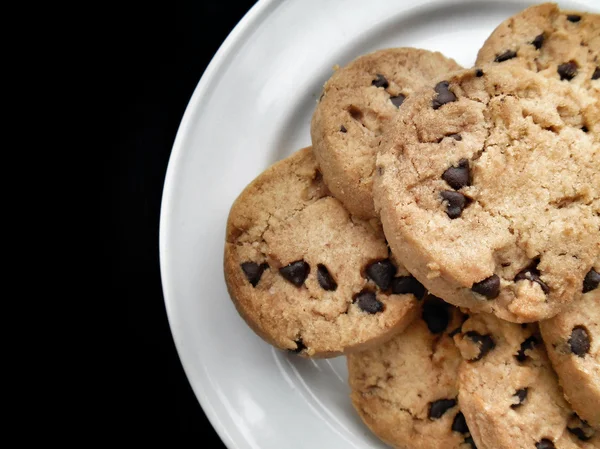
443, 232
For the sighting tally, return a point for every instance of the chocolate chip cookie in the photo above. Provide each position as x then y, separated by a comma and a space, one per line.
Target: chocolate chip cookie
405, 390
564, 45
489, 191
509, 393
304, 273
572, 340
357, 104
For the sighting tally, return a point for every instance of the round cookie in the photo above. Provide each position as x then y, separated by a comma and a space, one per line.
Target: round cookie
489, 191
564, 45
509, 393
304, 274
572, 340
405, 390
354, 111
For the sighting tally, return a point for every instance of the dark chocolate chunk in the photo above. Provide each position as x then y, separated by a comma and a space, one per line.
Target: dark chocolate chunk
458, 177
478, 73
509, 54
527, 345
567, 71
596, 73
254, 271
484, 342
443, 95
579, 342
456, 203
299, 346
381, 272
573, 18
398, 100
380, 81
436, 314
469, 441
296, 272
438, 408
367, 301
584, 129
489, 287
343, 129
325, 279
460, 424
532, 274
407, 284
580, 428
545, 444
538, 41
591, 281
521, 395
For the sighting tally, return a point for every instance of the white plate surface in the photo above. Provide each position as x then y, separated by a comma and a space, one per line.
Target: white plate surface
251, 108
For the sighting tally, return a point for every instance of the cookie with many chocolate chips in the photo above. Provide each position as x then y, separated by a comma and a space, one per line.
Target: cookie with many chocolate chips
572, 339
405, 390
357, 105
564, 45
509, 393
505, 217
305, 274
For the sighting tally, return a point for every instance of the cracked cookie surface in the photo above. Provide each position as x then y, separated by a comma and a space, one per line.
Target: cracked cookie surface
509, 393
358, 102
490, 186
405, 390
304, 274
572, 340
564, 45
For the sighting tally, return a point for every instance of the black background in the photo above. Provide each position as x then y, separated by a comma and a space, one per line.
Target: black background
165, 50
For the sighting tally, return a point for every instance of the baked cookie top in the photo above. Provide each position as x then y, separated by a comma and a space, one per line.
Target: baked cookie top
509, 393
307, 276
564, 45
572, 340
405, 390
354, 111
490, 185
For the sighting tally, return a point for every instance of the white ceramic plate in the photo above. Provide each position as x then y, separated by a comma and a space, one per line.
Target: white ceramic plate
251, 108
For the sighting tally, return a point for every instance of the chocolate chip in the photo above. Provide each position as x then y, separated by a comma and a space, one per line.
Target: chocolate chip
436, 314
521, 395
381, 272
456, 203
325, 280
407, 284
509, 54
567, 71
545, 444
584, 129
484, 342
460, 424
573, 18
380, 81
368, 302
580, 428
532, 274
469, 440
299, 346
596, 73
296, 272
538, 41
438, 408
527, 345
254, 271
458, 177
591, 281
343, 129
489, 287
478, 73
397, 100
579, 342
443, 95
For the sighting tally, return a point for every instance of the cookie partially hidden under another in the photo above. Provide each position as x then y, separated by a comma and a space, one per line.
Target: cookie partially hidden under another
405, 390
305, 274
